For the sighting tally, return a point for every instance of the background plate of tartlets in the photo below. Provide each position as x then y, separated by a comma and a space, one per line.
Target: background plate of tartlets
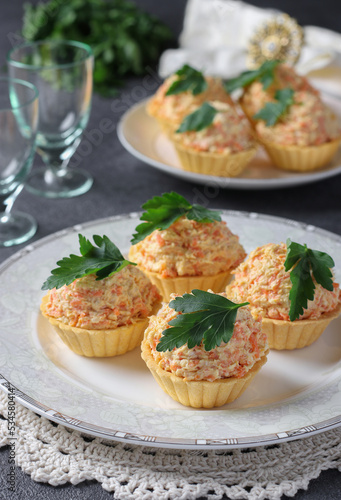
296, 394
141, 135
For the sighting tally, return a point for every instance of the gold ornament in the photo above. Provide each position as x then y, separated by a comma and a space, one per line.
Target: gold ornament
278, 38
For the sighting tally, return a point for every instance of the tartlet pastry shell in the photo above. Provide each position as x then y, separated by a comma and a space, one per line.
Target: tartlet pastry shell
185, 284
199, 394
296, 334
219, 165
99, 343
301, 158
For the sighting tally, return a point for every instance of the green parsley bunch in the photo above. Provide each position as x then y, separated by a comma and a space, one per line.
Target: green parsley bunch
124, 39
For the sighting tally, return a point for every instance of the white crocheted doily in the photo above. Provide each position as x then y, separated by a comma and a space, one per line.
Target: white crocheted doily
56, 455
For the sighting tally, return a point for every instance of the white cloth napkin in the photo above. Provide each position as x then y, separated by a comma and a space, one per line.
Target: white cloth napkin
215, 36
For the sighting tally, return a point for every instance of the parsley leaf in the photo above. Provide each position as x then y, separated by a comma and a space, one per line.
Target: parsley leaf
198, 120
265, 74
162, 211
306, 264
189, 79
205, 316
272, 111
104, 260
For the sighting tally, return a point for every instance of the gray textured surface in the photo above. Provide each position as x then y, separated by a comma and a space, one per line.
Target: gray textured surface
122, 184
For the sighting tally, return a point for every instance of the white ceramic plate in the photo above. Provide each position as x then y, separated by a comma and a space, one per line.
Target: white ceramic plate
142, 137
296, 393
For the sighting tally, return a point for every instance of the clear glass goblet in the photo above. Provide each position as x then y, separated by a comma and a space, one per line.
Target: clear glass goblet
62, 72
18, 128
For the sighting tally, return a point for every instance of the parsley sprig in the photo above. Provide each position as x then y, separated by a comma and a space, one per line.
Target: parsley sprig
265, 74
205, 317
306, 264
198, 120
104, 261
189, 79
272, 111
162, 211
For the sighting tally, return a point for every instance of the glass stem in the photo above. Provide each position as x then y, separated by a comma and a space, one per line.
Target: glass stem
7, 203
57, 160
56, 169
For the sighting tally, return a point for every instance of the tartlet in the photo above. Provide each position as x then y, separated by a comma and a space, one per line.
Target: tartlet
101, 318
170, 110
188, 255
255, 96
263, 282
223, 148
307, 136
206, 379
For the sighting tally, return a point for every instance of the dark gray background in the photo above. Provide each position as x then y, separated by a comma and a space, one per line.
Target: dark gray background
122, 184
